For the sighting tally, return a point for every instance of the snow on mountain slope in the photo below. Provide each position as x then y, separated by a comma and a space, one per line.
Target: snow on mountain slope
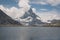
29, 18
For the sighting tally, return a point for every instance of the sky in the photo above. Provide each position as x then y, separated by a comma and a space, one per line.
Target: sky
46, 9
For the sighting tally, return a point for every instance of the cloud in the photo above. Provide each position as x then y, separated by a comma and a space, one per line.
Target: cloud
12, 12
39, 2
45, 16
44, 2
43, 9
17, 12
48, 15
53, 2
23, 3
3, 8
24, 6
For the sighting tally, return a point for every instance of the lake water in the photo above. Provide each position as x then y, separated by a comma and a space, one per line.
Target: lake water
29, 33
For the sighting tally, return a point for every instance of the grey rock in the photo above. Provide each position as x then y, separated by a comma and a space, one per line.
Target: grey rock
5, 19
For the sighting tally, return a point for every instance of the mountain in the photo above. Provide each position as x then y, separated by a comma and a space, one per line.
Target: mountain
30, 15
5, 19
54, 21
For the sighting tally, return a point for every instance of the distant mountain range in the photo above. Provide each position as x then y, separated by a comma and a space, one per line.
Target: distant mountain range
54, 21
30, 17
5, 19
35, 21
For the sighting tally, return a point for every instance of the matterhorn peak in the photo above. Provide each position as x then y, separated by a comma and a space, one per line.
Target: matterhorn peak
30, 18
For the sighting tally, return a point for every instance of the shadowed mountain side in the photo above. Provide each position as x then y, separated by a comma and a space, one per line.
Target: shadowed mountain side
5, 19
33, 18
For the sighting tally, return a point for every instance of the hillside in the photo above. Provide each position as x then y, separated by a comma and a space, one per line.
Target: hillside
5, 19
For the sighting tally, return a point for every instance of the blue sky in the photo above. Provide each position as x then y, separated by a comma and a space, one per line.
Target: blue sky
43, 8
11, 3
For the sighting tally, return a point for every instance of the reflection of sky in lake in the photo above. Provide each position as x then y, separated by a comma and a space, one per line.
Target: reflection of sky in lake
28, 33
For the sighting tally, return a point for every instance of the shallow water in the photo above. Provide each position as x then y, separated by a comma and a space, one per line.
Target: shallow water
29, 33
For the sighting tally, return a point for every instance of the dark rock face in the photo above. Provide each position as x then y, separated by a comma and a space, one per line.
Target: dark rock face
5, 19
31, 14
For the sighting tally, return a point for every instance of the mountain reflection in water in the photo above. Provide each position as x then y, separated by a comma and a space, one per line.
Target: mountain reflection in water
29, 33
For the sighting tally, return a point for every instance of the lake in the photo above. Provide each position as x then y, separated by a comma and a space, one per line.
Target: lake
29, 33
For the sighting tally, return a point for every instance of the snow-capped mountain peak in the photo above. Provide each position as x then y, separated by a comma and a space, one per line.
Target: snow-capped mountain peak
30, 18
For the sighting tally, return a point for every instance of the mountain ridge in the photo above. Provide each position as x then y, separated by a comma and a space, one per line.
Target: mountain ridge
5, 19
32, 16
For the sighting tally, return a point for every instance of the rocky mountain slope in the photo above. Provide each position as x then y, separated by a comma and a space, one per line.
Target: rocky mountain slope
32, 16
5, 19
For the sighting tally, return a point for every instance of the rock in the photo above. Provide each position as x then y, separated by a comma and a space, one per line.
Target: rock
5, 19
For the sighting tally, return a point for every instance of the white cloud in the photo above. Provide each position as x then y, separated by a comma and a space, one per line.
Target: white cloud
48, 15
15, 12
39, 2
53, 2
24, 4
44, 2
45, 16
43, 9
3, 8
